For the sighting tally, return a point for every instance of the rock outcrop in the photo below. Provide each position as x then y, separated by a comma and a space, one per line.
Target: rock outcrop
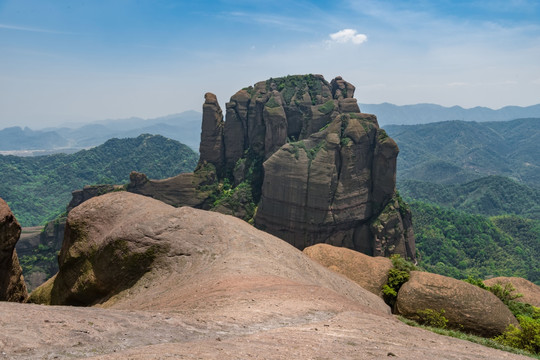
319, 170
466, 306
529, 290
12, 286
90, 191
44, 244
128, 251
296, 157
371, 273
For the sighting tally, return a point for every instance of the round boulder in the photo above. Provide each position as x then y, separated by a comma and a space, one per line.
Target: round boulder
467, 307
369, 272
529, 290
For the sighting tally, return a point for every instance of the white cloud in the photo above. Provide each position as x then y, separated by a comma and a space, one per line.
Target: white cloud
348, 35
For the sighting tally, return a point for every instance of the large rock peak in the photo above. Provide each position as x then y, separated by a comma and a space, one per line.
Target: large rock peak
12, 286
298, 150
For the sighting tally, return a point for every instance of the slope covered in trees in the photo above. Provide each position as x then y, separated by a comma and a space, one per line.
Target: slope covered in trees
459, 244
39, 188
490, 196
457, 151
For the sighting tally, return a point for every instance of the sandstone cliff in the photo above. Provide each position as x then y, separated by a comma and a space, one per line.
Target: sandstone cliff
12, 287
319, 170
296, 157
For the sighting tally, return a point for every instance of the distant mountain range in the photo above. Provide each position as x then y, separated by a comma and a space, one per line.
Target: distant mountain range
39, 188
455, 152
184, 127
427, 113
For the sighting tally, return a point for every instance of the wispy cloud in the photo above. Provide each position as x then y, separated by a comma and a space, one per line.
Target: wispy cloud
282, 22
30, 29
348, 36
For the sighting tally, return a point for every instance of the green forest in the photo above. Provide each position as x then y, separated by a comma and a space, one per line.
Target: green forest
474, 190
460, 244
39, 188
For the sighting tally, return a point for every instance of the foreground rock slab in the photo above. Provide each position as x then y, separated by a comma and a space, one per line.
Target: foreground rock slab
12, 286
47, 332
466, 306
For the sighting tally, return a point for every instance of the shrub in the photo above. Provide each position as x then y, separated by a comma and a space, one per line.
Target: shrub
397, 276
504, 292
526, 338
430, 317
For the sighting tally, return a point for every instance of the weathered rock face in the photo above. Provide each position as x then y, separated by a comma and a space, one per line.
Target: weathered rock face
296, 157
529, 290
211, 147
45, 243
371, 273
88, 192
12, 286
466, 306
319, 170
131, 252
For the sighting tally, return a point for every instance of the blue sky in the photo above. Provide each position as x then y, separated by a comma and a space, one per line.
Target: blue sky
65, 61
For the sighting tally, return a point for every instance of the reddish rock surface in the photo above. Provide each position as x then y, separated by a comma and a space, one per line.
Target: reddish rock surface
529, 290
12, 286
466, 306
215, 288
371, 273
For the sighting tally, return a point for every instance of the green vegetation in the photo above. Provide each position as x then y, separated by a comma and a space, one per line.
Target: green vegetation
527, 337
468, 337
459, 244
397, 276
327, 107
492, 195
433, 318
454, 152
296, 86
37, 189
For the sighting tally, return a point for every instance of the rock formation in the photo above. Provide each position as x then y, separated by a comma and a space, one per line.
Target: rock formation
12, 286
319, 170
88, 192
529, 290
371, 273
43, 243
296, 157
466, 306
128, 251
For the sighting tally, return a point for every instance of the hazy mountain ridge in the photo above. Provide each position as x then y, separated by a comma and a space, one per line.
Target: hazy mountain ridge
427, 113
459, 151
183, 127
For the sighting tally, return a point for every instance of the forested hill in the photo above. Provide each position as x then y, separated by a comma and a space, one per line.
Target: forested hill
39, 188
452, 152
489, 196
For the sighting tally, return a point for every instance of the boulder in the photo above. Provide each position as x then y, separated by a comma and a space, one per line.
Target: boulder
371, 273
12, 286
529, 290
467, 307
128, 251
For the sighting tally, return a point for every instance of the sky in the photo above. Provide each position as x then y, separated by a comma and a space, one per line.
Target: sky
71, 61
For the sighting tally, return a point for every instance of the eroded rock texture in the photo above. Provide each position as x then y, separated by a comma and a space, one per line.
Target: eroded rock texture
12, 286
466, 306
319, 170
